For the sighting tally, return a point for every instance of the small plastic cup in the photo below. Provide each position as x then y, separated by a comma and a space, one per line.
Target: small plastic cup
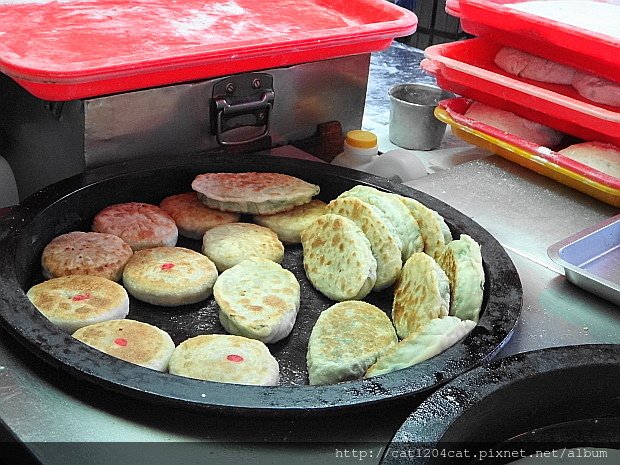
413, 124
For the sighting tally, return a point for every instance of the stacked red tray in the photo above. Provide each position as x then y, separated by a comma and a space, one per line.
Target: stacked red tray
467, 67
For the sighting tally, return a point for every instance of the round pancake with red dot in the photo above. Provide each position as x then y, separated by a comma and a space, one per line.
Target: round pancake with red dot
72, 302
133, 341
225, 359
169, 276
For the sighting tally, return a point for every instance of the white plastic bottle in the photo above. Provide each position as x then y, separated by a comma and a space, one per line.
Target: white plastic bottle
361, 152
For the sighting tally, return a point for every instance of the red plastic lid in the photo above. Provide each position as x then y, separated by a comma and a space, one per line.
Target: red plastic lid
65, 49
584, 34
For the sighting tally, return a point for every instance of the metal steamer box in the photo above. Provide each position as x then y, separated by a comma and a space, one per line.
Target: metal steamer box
91, 82
46, 141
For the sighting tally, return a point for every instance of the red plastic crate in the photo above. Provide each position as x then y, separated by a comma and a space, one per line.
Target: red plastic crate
542, 160
552, 39
467, 68
85, 48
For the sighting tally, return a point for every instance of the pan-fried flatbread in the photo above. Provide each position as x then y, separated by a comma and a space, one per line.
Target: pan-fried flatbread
258, 299
431, 228
288, 225
169, 276
338, 259
254, 193
431, 339
422, 293
194, 218
445, 229
133, 341
229, 244
347, 338
462, 262
141, 225
384, 241
406, 225
72, 302
85, 253
225, 359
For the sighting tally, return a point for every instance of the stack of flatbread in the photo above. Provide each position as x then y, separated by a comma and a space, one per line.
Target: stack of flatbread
365, 237
368, 241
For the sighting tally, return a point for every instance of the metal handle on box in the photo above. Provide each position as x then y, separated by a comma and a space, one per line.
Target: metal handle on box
242, 101
262, 108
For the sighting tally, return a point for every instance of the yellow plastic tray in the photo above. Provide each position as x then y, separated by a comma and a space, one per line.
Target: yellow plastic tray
576, 176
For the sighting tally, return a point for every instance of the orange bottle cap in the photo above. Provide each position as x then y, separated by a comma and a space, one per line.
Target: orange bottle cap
361, 139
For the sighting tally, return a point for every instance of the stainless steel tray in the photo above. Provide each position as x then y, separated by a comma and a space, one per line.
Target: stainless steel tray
591, 259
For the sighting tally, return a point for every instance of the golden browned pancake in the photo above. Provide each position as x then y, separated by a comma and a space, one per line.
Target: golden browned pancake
431, 227
422, 293
71, 302
141, 225
462, 263
169, 276
229, 244
258, 299
384, 241
85, 253
288, 225
225, 359
133, 341
194, 218
254, 193
338, 259
347, 338
397, 213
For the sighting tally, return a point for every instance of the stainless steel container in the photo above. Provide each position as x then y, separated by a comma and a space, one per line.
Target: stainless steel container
49, 141
412, 121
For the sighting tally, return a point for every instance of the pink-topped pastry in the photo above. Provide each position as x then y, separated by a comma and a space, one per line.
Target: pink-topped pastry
141, 225
194, 218
85, 253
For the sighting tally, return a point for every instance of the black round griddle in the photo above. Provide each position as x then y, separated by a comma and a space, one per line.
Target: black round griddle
71, 205
561, 398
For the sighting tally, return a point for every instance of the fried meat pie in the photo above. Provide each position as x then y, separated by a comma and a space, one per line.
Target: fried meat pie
225, 359
141, 225
169, 276
338, 258
255, 193
133, 341
258, 299
72, 302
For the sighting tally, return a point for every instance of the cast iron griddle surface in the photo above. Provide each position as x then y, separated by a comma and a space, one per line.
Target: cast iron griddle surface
71, 205
543, 400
